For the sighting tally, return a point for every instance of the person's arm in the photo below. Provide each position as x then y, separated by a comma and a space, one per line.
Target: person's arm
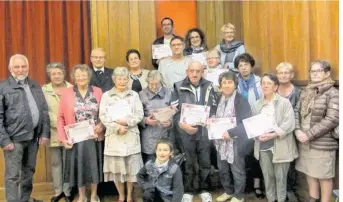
239, 132
45, 119
61, 118
287, 124
138, 112
177, 186
329, 121
142, 179
4, 137
297, 116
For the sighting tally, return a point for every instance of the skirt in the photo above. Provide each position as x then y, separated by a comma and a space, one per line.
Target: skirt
122, 169
85, 165
316, 163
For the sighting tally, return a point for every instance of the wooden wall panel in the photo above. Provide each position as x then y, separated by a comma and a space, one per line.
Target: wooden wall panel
118, 26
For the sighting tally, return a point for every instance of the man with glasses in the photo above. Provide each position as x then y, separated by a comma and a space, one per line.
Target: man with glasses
102, 76
167, 25
173, 69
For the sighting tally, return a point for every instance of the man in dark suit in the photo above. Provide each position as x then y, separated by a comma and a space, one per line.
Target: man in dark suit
167, 25
102, 76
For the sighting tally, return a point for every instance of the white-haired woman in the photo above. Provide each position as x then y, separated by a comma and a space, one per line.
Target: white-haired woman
229, 47
155, 96
52, 92
122, 154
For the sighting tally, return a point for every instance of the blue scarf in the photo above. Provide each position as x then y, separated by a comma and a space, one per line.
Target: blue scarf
245, 85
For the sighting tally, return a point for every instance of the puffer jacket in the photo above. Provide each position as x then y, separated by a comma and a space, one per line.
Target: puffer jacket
324, 118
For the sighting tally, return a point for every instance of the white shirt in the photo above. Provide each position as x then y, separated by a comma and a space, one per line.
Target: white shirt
167, 41
101, 69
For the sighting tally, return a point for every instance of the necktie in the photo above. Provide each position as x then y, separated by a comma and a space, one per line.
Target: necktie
98, 72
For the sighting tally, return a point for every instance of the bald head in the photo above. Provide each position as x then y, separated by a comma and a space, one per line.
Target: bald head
195, 71
98, 58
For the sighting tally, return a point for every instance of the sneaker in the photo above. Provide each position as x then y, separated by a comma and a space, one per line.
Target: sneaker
234, 199
224, 197
187, 198
206, 197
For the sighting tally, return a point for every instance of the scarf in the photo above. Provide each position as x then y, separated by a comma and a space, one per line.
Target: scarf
246, 85
309, 93
230, 49
197, 49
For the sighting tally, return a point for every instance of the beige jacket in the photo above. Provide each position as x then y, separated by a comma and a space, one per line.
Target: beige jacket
285, 148
142, 79
129, 143
53, 101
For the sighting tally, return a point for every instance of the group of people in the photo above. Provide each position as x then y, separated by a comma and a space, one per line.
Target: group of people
140, 149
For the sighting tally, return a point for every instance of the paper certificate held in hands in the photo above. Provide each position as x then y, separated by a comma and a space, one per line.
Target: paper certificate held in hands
213, 75
80, 131
164, 114
161, 51
194, 114
257, 125
119, 110
218, 126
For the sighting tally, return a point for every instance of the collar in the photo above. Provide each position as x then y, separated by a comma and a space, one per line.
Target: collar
50, 89
114, 91
274, 99
101, 69
160, 93
14, 82
187, 83
75, 88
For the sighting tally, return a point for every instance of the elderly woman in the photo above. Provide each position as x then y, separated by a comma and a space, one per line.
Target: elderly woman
52, 92
277, 148
195, 42
285, 74
154, 97
81, 103
229, 48
122, 154
137, 79
316, 117
232, 148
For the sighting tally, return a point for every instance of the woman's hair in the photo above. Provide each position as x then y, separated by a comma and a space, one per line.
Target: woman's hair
272, 77
120, 71
202, 37
228, 76
325, 65
227, 26
129, 52
244, 57
82, 67
55, 65
177, 37
154, 74
287, 65
165, 141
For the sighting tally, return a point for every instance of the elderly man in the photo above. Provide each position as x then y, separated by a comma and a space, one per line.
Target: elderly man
102, 76
193, 140
24, 123
167, 25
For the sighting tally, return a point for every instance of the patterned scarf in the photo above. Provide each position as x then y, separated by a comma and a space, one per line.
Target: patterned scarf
197, 49
246, 85
309, 93
230, 49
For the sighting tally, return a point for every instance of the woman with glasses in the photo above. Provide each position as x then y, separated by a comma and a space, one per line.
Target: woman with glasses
195, 42
316, 117
229, 48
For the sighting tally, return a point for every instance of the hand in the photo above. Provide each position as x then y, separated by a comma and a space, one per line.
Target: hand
301, 136
44, 141
165, 124
121, 122
122, 130
268, 136
67, 144
226, 136
98, 128
188, 128
150, 121
9, 147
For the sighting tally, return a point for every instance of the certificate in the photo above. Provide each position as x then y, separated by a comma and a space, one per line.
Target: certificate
257, 125
201, 57
194, 114
164, 114
213, 75
119, 110
218, 126
80, 131
161, 51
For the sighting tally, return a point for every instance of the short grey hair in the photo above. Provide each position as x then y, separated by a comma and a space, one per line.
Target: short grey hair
153, 75
82, 67
55, 65
13, 57
195, 61
120, 71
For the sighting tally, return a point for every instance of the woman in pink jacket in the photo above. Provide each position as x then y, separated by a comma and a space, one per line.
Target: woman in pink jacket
80, 103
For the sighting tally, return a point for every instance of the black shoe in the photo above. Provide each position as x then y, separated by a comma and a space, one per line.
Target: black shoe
68, 198
259, 195
56, 198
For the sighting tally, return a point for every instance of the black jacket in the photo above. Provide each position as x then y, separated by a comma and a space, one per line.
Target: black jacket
238, 134
168, 182
15, 116
105, 84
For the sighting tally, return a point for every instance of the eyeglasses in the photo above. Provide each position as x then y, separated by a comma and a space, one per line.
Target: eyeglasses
283, 73
228, 32
165, 25
194, 37
212, 58
316, 71
176, 44
98, 57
